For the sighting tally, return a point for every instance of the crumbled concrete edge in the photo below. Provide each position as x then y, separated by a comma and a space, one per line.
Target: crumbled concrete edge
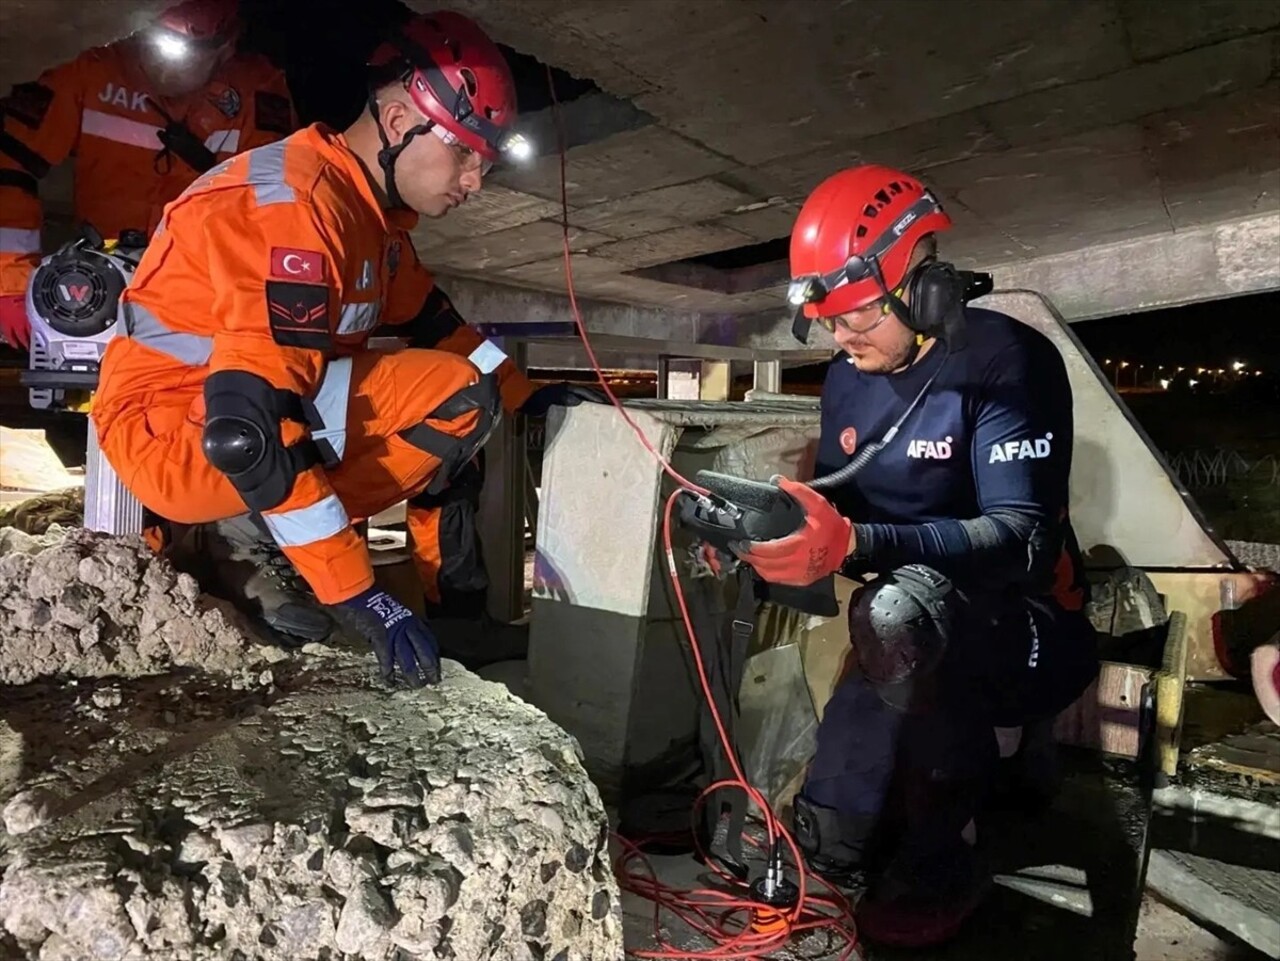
238, 811
74, 603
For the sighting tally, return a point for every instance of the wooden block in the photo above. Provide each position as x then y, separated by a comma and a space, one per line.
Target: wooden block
1244, 901
1254, 753
715, 381
1171, 681
1107, 716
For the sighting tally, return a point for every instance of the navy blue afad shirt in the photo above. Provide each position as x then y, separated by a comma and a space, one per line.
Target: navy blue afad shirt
975, 483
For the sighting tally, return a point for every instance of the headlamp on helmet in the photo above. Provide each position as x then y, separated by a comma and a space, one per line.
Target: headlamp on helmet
170, 46
515, 147
193, 26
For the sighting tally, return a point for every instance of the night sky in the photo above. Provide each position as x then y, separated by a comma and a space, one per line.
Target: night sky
1212, 334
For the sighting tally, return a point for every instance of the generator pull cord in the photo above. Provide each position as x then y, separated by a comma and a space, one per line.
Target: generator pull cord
743, 925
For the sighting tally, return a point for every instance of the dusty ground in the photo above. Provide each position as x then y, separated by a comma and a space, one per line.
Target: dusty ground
1166, 935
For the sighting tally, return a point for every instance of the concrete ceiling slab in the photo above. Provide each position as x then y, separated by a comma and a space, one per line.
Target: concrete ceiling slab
674, 244
662, 209
1215, 159
1094, 188
1159, 29
769, 221
620, 166
493, 209
1047, 126
1127, 95
525, 244
550, 272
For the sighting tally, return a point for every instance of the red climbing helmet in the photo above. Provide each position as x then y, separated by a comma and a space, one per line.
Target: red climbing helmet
458, 78
854, 236
200, 23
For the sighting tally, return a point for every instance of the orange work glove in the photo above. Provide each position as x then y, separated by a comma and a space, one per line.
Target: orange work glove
817, 549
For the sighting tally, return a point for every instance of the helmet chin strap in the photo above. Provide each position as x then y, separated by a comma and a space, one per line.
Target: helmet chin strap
388, 154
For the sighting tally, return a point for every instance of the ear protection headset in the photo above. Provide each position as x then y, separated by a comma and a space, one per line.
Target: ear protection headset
936, 293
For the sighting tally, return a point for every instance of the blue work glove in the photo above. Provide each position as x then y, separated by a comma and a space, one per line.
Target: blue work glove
561, 395
399, 637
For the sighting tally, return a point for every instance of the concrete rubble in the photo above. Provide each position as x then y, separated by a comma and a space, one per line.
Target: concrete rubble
274, 806
73, 603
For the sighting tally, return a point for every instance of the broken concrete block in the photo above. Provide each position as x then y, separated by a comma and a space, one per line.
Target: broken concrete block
366, 918
340, 820
297, 812
75, 603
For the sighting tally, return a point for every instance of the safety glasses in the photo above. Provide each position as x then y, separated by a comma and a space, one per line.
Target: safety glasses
881, 309
511, 145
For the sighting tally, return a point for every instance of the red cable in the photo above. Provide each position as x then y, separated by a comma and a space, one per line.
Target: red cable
721, 916
577, 314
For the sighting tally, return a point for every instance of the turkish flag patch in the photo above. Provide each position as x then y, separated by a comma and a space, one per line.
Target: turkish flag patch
848, 440
299, 314
307, 266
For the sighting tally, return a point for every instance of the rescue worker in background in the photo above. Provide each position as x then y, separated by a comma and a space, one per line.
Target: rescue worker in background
142, 117
974, 620
242, 384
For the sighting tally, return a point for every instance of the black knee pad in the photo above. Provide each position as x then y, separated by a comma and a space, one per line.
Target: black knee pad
832, 843
900, 625
242, 436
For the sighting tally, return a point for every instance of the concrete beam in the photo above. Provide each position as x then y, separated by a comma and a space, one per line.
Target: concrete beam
629, 329
1165, 270
1162, 270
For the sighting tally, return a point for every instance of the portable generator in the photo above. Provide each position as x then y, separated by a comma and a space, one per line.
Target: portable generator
73, 306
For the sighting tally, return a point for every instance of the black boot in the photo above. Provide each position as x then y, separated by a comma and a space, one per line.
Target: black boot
836, 846
237, 560
923, 898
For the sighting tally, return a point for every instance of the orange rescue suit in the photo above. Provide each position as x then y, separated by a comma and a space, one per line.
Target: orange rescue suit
99, 109
272, 269
442, 529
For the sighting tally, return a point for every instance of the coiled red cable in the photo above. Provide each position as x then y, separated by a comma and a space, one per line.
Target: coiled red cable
722, 916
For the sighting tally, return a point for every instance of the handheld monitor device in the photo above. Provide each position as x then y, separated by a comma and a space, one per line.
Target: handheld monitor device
738, 510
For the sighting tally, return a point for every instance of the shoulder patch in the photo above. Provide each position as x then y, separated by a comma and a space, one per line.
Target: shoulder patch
299, 314
271, 112
226, 99
28, 103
